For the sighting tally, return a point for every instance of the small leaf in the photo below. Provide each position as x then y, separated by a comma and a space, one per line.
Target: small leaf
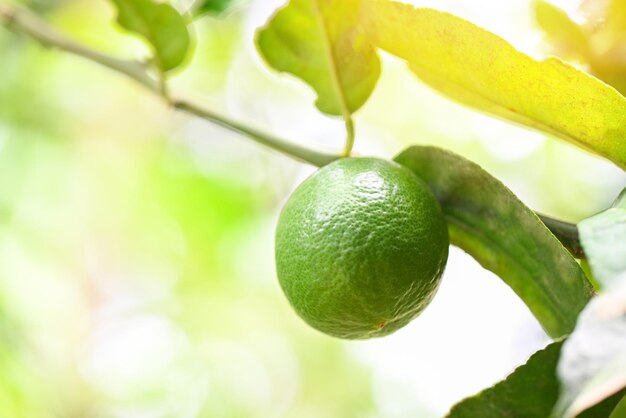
565, 35
592, 367
159, 24
318, 41
490, 223
481, 70
213, 7
603, 237
529, 392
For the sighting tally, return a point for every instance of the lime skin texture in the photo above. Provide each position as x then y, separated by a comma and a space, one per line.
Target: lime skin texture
360, 248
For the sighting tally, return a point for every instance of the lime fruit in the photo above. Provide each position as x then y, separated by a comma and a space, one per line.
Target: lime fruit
360, 248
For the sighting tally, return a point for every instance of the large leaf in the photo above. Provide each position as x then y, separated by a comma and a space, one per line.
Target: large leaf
592, 367
160, 25
489, 222
603, 409
529, 392
603, 237
481, 70
319, 42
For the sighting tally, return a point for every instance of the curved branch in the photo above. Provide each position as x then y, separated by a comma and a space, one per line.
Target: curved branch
22, 21
291, 149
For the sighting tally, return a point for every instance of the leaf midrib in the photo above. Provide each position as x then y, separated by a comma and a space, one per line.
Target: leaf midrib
332, 65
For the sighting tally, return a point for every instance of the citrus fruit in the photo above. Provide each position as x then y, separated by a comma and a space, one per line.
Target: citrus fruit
360, 248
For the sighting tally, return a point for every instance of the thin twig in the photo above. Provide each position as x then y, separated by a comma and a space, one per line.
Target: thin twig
292, 149
22, 21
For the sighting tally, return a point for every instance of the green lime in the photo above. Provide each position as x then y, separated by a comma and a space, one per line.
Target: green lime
360, 248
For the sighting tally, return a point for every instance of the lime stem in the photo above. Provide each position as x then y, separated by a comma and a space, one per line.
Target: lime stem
347, 150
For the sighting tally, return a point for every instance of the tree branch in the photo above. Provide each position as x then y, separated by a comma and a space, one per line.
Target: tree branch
291, 149
23, 21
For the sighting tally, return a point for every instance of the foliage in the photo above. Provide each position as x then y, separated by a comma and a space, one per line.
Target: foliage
214, 7
529, 392
479, 69
333, 46
160, 25
317, 40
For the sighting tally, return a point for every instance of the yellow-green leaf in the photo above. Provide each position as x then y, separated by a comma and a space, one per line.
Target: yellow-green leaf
480, 69
607, 25
565, 35
159, 24
319, 42
212, 7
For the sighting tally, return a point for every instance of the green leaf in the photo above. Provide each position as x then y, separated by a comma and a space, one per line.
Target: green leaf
529, 392
565, 35
213, 7
603, 237
490, 223
160, 25
603, 409
319, 42
480, 69
620, 410
592, 367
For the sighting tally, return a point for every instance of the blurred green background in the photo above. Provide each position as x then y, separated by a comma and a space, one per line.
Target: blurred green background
136, 243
